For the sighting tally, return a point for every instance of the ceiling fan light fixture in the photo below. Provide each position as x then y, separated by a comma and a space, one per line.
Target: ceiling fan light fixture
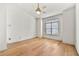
38, 10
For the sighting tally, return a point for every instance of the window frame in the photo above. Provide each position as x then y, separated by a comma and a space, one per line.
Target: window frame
52, 28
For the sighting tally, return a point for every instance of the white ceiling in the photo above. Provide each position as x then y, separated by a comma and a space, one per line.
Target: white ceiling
51, 8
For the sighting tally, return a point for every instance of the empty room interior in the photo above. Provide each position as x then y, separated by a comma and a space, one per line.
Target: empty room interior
39, 29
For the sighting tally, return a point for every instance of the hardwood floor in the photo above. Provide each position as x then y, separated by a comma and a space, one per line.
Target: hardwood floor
39, 47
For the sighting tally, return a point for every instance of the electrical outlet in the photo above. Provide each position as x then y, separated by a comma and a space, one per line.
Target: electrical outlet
9, 38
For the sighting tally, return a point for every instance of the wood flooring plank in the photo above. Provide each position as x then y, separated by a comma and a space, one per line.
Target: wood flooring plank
39, 47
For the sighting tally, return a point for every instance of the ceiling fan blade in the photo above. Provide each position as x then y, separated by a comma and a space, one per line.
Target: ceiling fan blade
44, 12
44, 7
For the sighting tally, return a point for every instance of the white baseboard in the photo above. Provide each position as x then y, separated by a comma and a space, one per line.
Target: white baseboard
3, 48
24, 38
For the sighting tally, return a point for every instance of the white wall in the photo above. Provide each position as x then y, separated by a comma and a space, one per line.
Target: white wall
77, 27
69, 25
21, 26
3, 44
38, 25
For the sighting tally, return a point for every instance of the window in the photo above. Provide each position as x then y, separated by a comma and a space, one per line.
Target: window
48, 28
52, 28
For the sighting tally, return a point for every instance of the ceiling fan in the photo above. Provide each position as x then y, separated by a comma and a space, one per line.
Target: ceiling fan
40, 9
